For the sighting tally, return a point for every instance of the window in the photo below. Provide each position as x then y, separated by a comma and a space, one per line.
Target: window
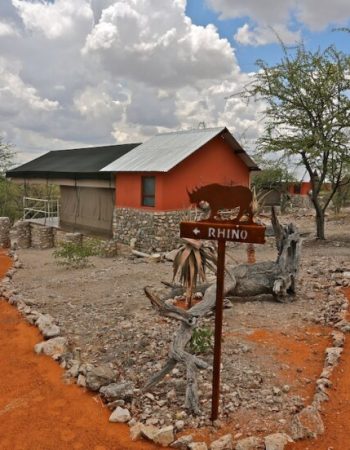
148, 191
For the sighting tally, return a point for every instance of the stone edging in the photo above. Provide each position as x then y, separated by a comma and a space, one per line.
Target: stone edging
305, 424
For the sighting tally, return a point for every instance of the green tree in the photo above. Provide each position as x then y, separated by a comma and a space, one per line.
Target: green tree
7, 155
274, 175
10, 194
307, 116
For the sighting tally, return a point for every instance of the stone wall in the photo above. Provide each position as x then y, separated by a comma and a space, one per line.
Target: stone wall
300, 201
5, 226
42, 236
24, 234
149, 231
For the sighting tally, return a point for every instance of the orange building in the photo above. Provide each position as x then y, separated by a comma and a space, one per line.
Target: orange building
156, 175
152, 181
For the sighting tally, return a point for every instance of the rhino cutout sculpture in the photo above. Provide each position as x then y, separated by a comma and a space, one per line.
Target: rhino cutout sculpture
221, 197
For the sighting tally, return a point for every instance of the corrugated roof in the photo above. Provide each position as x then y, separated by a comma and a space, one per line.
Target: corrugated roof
77, 163
164, 151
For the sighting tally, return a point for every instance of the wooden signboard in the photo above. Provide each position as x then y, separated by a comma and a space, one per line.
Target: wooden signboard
214, 228
251, 233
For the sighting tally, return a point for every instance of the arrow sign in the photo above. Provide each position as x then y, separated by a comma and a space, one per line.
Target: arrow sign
249, 233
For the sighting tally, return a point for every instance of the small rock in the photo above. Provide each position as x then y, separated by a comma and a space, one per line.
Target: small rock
81, 381
338, 338
73, 370
276, 390
277, 441
116, 391
47, 326
179, 425
224, 443
171, 395
333, 355
307, 424
96, 377
183, 442
135, 431
55, 347
149, 431
120, 415
165, 436
250, 443
198, 446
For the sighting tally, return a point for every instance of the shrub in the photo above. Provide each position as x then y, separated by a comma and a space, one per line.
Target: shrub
75, 255
202, 340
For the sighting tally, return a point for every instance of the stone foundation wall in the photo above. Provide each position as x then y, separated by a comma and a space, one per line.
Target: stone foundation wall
149, 231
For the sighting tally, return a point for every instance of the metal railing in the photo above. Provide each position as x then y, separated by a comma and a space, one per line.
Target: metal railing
40, 208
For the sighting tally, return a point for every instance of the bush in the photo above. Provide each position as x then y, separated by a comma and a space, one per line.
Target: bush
202, 340
75, 255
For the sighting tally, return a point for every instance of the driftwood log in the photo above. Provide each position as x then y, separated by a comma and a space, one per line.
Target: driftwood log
276, 279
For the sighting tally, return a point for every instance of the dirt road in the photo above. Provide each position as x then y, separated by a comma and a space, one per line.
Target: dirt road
37, 410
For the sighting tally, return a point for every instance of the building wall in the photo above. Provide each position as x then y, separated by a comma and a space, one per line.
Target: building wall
215, 162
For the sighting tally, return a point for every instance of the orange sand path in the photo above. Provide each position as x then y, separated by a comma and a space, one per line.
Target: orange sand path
37, 410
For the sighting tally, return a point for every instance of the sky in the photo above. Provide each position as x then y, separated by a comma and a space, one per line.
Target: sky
76, 73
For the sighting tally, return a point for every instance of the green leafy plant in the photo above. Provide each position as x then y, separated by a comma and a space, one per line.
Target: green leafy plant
75, 255
202, 340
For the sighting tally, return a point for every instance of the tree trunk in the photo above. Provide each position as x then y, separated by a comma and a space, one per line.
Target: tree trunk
320, 234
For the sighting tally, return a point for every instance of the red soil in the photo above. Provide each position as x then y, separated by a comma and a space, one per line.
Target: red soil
336, 412
37, 410
302, 353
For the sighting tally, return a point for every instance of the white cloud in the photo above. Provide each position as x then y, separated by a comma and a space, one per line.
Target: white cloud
94, 72
14, 92
246, 35
314, 14
6, 29
95, 102
54, 19
155, 43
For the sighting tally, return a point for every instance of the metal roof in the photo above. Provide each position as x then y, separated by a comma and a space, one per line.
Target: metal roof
164, 151
75, 163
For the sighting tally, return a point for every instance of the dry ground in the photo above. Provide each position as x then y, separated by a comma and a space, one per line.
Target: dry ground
272, 352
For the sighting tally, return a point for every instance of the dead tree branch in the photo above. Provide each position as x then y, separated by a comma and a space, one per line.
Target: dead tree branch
246, 281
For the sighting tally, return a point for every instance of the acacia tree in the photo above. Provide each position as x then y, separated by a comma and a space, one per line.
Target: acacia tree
10, 195
6, 156
307, 116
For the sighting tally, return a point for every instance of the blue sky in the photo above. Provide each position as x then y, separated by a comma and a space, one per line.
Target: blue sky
202, 14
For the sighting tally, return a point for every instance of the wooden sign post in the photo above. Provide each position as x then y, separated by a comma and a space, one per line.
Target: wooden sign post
222, 231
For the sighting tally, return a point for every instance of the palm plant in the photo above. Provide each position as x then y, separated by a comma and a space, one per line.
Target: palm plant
190, 264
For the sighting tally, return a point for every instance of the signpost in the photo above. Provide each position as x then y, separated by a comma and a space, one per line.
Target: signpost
222, 231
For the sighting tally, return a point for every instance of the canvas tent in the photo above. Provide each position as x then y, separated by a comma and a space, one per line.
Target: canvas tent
87, 196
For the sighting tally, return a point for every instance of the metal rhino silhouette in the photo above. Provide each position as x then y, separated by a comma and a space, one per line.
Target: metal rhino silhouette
224, 197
